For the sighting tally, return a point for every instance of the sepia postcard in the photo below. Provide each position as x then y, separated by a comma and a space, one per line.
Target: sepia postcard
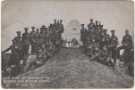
80, 44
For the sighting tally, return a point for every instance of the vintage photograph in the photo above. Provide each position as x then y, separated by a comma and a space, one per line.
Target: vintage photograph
67, 44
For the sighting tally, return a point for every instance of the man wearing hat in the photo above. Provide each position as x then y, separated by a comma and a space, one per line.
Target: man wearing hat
127, 46
32, 39
18, 40
127, 40
37, 42
113, 46
91, 24
83, 34
91, 27
105, 38
15, 58
61, 26
43, 34
26, 41
55, 25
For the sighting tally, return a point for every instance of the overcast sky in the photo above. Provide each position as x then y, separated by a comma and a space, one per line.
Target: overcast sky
17, 14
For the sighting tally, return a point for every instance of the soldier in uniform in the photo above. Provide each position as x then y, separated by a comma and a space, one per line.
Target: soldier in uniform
61, 26
43, 34
15, 58
26, 42
113, 46
91, 30
55, 25
127, 40
83, 34
100, 28
51, 32
96, 25
18, 40
37, 41
127, 46
105, 39
32, 39
91, 25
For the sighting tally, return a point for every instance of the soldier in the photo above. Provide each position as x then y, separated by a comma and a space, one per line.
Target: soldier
127, 46
113, 46
37, 41
43, 34
96, 25
33, 29
54, 25
61, 27
105, 39
100, 28
83, 34
127, 40
14, 58
95, 53
32, 39
18, 40
105, 56
26, 42
51, 36
91, 25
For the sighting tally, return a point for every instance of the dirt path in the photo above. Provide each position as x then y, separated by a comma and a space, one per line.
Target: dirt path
70, 68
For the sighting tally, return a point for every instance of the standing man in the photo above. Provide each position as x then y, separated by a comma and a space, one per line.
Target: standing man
26, 42
32, 39
15, 58
83, 34
43, 34
61, 26
127, 46
127, 41
91, 25
113, 46
105, 38
18, 40
37, 41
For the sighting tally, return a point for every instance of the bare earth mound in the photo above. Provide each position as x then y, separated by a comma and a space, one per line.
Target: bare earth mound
70, 68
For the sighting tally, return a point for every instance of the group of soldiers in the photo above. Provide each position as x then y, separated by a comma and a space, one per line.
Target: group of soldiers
43, 42
101, 46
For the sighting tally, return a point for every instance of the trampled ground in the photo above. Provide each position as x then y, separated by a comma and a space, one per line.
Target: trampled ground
70, 68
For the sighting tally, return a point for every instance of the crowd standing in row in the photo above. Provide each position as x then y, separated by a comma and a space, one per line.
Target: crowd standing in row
101, 46
43, 43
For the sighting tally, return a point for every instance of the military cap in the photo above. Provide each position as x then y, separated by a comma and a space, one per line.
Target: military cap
91, 19
105, 30
96, 21
37, 29
33, 27
43, 26
112, 31
25, 28
126, 30
18, 32
82, 24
